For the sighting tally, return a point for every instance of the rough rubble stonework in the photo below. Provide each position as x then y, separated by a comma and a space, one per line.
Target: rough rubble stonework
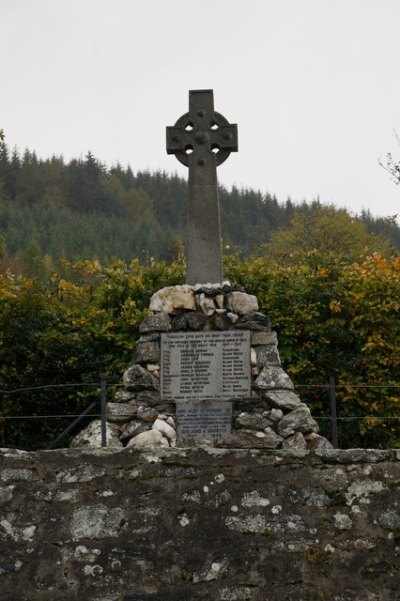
270, 419
163, 524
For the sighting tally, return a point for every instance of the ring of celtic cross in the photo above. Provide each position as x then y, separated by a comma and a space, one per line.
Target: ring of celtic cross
217, 137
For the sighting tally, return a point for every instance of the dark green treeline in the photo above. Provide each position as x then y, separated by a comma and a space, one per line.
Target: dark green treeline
83, 209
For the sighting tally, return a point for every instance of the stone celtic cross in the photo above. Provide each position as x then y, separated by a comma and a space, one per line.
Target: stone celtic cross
202, 139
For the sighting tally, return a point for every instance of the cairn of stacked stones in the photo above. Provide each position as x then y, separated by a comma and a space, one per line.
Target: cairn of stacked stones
273, 417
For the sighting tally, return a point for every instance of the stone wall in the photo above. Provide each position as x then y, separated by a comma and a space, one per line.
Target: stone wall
165, 524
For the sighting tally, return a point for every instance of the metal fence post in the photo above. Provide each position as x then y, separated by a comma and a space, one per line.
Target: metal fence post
332, 396
103, 409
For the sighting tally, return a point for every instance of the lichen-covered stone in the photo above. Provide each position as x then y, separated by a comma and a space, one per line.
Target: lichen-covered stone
147, 352
91, 436
146, 414
251, 439
273, 377
298, 420
172, 299
297, 441
179, 323
16, 474
263, 337
97, 521
150, 397
282, 399
252, 421
201, 524
124, 396
267, 355
133, 428
316, 442
138, 378
159, 322
121, 412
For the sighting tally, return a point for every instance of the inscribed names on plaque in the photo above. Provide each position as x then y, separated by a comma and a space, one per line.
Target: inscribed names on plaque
205, 365
203, 419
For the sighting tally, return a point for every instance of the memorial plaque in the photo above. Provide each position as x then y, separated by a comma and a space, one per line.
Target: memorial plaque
205, 365
203, 419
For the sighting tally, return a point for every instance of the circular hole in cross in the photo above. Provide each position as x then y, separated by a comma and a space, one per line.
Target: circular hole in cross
189, 127
188, 149
215, 148
214, 126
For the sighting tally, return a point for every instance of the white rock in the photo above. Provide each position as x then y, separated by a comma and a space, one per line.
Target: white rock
276, 414
233, 317
165, 429
242, 303
173, 298
206, 304
170, 420
151, 438
253, 357
219, 301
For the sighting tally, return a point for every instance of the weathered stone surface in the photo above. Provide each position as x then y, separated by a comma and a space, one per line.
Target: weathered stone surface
124, 396
245, 525
242, 303
316, 442
16, 474
252, 421
297, 441
173, 298
138, 378
251, 439
196, 321
254, 321
221, 321
91, 436
159, 322
298, 420
121, 412
273, 377
267, 355
146, 414
147, 352
263, 338
97, 521
133, 428
150, 397
179, 322
283, 399
390, 520
206, 304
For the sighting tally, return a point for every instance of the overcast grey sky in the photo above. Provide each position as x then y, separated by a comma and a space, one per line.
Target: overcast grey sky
313, 85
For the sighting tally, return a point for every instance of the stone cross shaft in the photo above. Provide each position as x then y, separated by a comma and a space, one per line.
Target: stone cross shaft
202, 139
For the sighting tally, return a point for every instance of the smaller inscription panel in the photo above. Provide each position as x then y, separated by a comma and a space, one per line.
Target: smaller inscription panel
203, 420
205, 365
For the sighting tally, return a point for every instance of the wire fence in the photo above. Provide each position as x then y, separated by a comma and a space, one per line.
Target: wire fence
98, 407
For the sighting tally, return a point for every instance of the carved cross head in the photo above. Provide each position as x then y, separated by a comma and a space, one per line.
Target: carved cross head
202, 136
